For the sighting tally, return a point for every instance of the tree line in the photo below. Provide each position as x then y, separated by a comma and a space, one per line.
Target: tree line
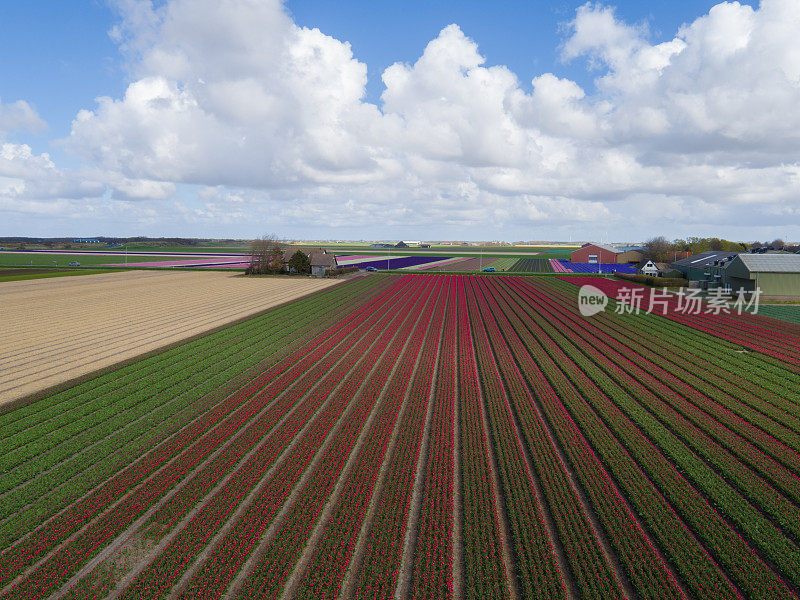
660, 249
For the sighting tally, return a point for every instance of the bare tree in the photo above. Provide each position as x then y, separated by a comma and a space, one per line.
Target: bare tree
778, 244
266, 256
657, 249
756, 245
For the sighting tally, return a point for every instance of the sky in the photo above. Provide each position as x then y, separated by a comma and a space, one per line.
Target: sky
400, 120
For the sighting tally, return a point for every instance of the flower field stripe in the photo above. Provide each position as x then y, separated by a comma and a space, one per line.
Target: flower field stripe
558, 266
725, 441
590, 567
728, 545
181, 550
759, 427
536, 563
439, 263
277, 553
768, 372
742, 329
201, 585
581, 433
215, 424
734, 508
324, 572
247, 473
646, 569
377, 575
747, 517
726, 369
712, 410
484, 572
432, 570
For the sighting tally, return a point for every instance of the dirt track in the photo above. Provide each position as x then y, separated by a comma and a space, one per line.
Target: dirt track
60, 328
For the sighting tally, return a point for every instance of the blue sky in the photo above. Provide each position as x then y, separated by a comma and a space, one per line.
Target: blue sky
632, 120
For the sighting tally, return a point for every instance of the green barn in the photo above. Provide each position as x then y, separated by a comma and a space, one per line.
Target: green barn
775, 274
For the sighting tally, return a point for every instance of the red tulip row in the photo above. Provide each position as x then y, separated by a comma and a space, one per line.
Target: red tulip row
763, 429
745, 329
192, 444
592, 572
161, 574
718, 443
709, 358
764, 533
644, 567
723, 541
567, 408
432, 570
484, 573
377, 575
535, 559
757, 386
716, 403
323, 576
762, 380
278, 555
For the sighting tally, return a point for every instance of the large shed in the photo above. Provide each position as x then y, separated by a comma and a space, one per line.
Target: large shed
594, 253
773, 274
698, 267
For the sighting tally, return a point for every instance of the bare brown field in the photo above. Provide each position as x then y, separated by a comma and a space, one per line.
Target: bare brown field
57, 329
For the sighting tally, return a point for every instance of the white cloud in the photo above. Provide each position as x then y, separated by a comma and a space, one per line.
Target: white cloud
19, 116
271, 118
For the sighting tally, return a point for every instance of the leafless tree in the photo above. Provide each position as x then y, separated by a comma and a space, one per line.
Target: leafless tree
266, 256
778, 244
657, 249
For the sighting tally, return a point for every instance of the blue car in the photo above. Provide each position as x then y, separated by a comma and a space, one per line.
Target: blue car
489, 270
371, 269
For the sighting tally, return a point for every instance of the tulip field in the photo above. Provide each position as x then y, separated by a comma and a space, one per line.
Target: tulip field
424, 436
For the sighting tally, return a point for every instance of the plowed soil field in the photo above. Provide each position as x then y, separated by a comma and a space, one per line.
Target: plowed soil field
57, 329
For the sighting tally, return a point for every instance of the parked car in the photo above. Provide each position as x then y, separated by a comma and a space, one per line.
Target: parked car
489, 270
371, 269
74, 263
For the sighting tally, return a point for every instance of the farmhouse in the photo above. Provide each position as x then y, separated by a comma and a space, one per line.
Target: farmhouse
321, 262
654, 269
774, 274
647, 267
602, 253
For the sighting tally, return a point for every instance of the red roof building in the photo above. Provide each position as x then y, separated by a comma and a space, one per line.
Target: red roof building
594, 253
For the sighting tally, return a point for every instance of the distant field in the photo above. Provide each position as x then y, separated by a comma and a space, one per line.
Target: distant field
422, 436
58, 329
532, 265
22, 274
503, 264
37, 259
